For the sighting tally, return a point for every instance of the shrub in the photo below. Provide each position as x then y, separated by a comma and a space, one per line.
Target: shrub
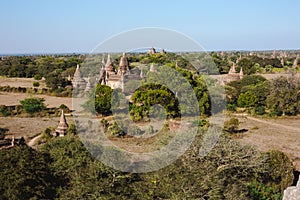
72, 129
64, 108
258, 190
33, 105
115, 130
30, 176
37, 77
104, 123
150, 130
231, 125
260, 110
36, 84
4, 111
231, 107
247, 99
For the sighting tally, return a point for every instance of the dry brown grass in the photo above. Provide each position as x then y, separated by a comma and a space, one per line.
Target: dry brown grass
28, 127
20, 82
51, 101
281, 134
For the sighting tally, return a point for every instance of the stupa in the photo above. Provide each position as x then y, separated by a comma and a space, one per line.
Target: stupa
62, 127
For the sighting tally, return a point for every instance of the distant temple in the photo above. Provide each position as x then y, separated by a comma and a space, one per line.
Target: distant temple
274, 54
233, 75
123, 65
78, 82
62, 127
295, 63
152, 51
109, 76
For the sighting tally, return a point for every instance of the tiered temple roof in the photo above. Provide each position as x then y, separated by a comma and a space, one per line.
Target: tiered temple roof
233, 75
88, 86
123, 65
62, 127
78, 81
109, 68
152, 68
152, 51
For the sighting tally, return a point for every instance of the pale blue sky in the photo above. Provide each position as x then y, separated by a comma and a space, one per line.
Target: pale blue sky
57, 26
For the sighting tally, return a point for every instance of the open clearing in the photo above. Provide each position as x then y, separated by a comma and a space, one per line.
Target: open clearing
27, 127
9, 99
265, 134
20, 82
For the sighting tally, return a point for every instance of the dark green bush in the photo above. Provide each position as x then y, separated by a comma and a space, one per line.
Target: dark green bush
36, 84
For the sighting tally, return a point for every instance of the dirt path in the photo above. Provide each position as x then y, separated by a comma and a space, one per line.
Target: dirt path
32, 141
274, 124
266, 134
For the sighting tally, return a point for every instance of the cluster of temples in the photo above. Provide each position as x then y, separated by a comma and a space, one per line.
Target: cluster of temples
233, 75
108, 75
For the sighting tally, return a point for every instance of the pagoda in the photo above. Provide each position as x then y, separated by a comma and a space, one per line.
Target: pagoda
78, 81
62, 127
123, 65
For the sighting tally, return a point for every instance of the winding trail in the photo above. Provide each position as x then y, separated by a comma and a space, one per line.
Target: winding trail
273, 123
267, 134
32, 141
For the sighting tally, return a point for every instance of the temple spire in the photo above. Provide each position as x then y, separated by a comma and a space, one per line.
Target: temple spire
295, 64
241, 73
62, 127
103, 61
152, 68
141, 74
232, 69
88, 85
123, 65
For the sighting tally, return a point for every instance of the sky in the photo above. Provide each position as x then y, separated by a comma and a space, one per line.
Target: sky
76, 26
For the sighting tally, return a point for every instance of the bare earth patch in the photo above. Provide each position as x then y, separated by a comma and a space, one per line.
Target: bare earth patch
20, 82
28, 127
265, 134
51, 101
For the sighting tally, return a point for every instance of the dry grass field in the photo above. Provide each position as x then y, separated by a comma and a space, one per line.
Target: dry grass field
265, 134
51, 101
27, 127
20, 82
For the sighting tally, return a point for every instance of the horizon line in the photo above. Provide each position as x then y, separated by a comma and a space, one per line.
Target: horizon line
85, 53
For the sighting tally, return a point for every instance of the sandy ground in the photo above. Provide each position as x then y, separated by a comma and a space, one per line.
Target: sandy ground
50, 101
265, 134
28, 127
20, 82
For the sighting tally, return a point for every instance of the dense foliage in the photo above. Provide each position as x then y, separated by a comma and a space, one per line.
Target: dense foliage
64, 169
25, 174
100, 100
33, 105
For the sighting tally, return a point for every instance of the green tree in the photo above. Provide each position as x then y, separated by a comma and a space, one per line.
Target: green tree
284, 96
33, 105
81, 175
149, 95
100, 100
37, 77
246, 81
54, 80
247, 100
261, 90
36, 84
24, 174
247, 65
